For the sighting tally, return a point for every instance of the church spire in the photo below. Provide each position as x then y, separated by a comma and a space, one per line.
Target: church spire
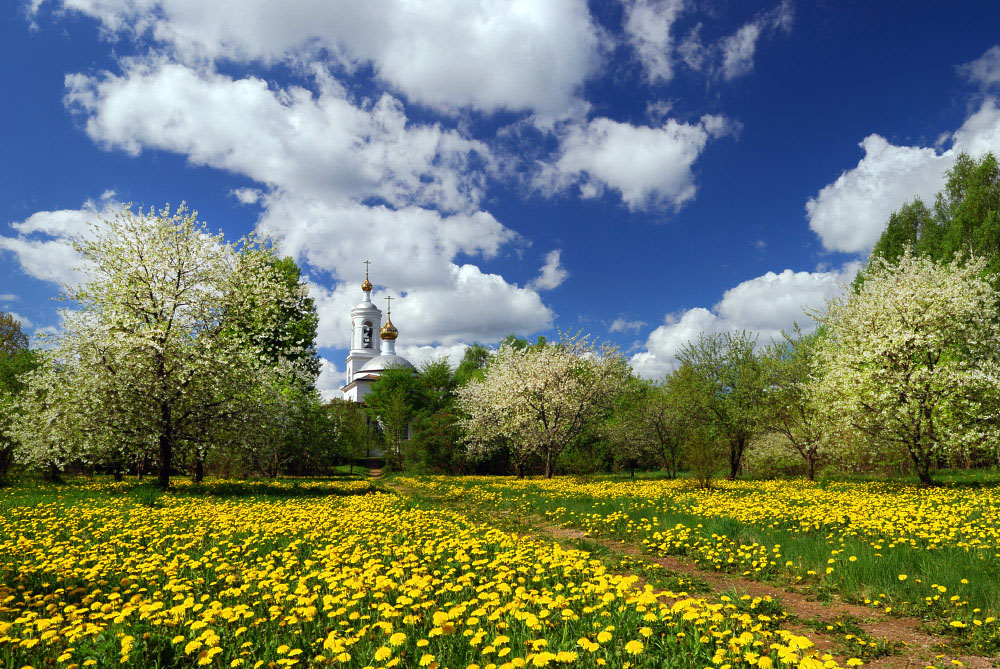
367, 285
388, 331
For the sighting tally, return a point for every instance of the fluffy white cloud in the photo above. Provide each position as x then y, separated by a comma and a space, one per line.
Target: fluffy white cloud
411, 247
470, 306
765, 306
850, 213
322, 145
488, 55
553, 273
330, 381
648, 166
622, 324
324, 160
985, 70
419, 355
737, 50
7, 297
41, 244
647, 27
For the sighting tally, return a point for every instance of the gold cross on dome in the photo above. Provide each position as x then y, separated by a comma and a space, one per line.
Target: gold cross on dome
388, 309
367, 263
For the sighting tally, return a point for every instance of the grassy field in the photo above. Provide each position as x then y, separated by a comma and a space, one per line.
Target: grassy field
308, 573
895, 547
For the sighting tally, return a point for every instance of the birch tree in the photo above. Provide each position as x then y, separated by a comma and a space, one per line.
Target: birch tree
911, 360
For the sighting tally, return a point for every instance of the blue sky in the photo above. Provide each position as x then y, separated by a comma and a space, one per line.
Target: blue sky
644, 170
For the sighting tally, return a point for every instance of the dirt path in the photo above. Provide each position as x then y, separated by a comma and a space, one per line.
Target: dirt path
918, 649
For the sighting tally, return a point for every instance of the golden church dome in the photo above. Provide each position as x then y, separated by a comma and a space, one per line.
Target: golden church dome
367, 285
388, 331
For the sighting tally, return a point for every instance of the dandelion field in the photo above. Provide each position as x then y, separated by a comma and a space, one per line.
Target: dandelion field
340, 574
899, 549
361, 574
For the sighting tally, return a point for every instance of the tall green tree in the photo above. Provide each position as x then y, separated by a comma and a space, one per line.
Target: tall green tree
732, 380
792, 410
16, 360
963, 222
12, 337
353, 433
472, 365
393, 403
705, 448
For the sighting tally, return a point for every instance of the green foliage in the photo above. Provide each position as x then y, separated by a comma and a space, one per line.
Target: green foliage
353, 433
726, 390
964, 221
790, 408
393, 402
16, 360
473, 364
12, 337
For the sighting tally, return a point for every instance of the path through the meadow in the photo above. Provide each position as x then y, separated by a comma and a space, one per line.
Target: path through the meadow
917, 649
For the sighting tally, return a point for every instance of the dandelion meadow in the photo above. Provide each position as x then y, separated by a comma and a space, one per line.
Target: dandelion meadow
345, 573
897, 548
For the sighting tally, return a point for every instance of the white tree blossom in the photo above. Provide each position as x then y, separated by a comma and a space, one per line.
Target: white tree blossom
153, 356
911, 359
538, 400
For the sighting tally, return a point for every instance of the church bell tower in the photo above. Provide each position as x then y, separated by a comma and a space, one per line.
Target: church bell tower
365, 342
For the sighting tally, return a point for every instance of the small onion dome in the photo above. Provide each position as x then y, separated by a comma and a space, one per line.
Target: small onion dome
367, 285
388, 331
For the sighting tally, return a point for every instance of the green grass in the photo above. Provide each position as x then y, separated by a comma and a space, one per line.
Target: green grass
872, 579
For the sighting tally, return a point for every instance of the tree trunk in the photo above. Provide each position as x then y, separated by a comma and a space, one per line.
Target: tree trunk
735, 456
548, 463
166, 447
199, 466
52, 474
811, 461
520, 470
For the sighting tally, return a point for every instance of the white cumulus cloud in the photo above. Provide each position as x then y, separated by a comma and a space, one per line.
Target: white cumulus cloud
647, 166
647, 26
764, 306
737, 50
42, 241
850, 213
320, 144
553, 273
985, 70
622, 324
488, 55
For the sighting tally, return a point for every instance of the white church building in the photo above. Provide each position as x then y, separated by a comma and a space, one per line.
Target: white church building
370, 355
